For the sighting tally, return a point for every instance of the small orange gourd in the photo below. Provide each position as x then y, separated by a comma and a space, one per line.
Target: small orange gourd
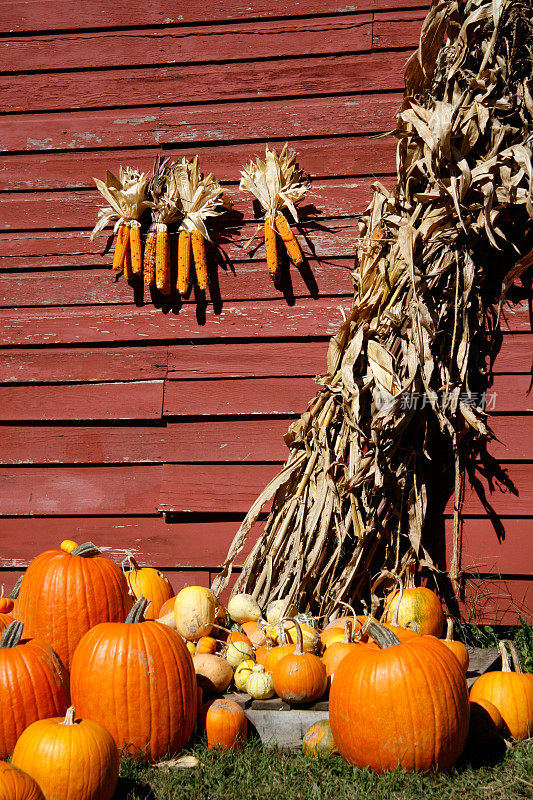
147, 582
299, 677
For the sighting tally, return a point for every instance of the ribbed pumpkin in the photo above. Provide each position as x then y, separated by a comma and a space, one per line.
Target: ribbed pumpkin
147, 582
136, 678
225, 725
17, 785
299, 677
511, 693
205, 645
415, 604
402, 706
33, 685
318, 740
63, 595
194, 612
457, 648
69, 759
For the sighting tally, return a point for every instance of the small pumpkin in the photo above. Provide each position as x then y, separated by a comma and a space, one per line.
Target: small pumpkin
415, 604
237, 652
147, 582
485, 722
318, 740
243, 608
136, 678
260, 684
511, 693
242, 673
339, 650
373, 729
17, 785
167, 607
6, 603
275, 654
299, 677
33, 685
213, 673
278, 609
262, 652
69, 758
206, 644
226, 725
457, 648
194, 612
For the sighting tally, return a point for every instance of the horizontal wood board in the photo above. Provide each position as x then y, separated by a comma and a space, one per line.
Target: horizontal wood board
150, 424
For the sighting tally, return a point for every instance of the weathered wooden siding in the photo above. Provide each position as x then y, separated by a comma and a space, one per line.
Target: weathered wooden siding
153, 429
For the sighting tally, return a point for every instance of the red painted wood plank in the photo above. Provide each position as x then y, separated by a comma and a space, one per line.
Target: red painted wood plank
34, 15
324, 239
401, 30
501, 499
142, 400
498, 601
482, 552
201, 83
187, 45
250, 396
68, 491
253, 360
191, 543
26, 327
217, 488
83, 365
320, 156
186, 442
513, 445
244, 281
27, 210
510, 393
142, 127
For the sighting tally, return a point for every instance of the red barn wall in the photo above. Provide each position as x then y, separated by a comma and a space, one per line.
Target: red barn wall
152, 430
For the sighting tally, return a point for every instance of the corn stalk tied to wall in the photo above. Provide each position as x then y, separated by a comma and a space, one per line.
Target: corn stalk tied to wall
401, 410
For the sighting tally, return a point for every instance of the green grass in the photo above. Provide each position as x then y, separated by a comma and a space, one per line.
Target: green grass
488, 636
261, 773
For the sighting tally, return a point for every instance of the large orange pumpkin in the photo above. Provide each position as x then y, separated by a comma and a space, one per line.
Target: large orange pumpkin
33, 685
136, 678
402, 706
147, 582
17, 785
63, 595
511, 693
70, 759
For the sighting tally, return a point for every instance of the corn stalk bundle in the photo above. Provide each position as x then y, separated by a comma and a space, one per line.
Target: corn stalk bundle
435, 260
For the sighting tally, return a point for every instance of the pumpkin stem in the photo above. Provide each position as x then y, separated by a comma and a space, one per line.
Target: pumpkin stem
413, 626
70, 716
16, 589
347, 638
449, 629
86, 550
382, 636
12, 635
299, 650
130, 562
138, 611
506, 663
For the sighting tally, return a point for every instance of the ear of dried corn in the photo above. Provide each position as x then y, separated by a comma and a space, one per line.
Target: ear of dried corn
435, 260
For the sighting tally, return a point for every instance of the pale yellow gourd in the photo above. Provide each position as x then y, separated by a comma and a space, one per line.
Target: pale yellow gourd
260, 685
278, 609
238, 652
194, 612
243, 608
242, 673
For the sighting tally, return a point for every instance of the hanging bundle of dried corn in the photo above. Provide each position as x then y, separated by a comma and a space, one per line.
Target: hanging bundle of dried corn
200, 198
277, 184
400, 408
127, 200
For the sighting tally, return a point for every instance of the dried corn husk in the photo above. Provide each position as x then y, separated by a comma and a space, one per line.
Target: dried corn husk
200, 197
435, 260
126, 196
